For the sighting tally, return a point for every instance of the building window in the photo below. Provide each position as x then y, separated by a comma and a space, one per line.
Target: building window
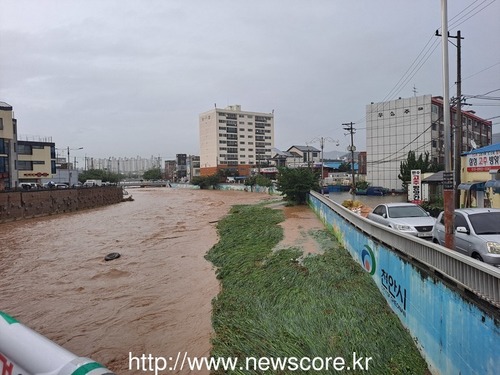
1, 123
24, 149
24, 165
4, 147
3, 164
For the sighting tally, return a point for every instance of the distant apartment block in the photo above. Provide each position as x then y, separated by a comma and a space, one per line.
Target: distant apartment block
416, 124
170, 170
234, 139
193, 166
129, 167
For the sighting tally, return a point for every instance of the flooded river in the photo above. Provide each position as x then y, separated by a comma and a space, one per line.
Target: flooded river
154, 299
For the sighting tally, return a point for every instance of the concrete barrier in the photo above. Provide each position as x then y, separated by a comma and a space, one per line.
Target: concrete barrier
455, 325
18, 205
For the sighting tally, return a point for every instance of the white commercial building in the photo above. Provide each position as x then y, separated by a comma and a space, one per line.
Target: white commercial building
415, 124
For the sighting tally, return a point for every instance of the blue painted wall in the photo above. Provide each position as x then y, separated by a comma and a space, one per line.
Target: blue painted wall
453, 334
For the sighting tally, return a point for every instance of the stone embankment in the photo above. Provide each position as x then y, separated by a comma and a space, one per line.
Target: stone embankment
19, 205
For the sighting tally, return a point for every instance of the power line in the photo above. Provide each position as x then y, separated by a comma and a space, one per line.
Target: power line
475, 74
428, 50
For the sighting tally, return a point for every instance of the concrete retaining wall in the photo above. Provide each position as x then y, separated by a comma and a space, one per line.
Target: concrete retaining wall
455, 332
27, 204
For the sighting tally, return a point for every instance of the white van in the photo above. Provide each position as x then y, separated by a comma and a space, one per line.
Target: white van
90, 183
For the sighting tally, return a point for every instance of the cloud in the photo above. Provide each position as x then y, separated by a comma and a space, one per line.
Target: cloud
125, 78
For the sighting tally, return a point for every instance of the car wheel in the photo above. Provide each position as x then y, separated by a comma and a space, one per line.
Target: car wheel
435, 240
477, 256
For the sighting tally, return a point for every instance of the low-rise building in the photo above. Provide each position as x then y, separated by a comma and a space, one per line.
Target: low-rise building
480, 176
36, 160
8, 136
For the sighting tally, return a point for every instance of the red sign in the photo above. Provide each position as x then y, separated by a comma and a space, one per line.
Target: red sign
6, 365
483, 162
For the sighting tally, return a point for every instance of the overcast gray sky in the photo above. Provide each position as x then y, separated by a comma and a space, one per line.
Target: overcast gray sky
130, 77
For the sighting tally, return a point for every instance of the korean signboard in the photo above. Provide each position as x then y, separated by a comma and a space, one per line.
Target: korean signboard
483, 162
415, 188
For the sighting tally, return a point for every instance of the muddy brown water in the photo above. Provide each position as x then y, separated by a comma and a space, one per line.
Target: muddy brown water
155, 299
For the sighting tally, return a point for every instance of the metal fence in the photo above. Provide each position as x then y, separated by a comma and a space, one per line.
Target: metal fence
479, 278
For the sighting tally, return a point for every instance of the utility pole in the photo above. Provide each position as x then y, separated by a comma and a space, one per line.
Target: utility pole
457, 129
458, 124
322, 144
349, 128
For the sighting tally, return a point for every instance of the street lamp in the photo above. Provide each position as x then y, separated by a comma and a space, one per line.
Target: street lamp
69, 168
321, 141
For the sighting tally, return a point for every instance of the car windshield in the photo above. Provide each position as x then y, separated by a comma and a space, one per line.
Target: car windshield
486, 222
406, 211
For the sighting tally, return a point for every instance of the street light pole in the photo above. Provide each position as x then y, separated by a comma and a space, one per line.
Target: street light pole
322, 145
448, 191
69, 163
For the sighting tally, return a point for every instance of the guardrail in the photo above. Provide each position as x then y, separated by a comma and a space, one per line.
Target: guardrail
481, 279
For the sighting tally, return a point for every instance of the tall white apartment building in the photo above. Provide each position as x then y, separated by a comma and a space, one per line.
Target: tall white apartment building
416, 124
234, 139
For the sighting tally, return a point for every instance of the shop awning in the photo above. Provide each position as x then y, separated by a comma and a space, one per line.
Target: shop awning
496, 187
474, 185
490, 183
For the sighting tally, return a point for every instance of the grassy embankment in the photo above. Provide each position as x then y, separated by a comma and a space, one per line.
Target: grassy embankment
278, 304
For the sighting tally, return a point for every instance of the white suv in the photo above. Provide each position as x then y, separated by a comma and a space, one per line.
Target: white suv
477, 233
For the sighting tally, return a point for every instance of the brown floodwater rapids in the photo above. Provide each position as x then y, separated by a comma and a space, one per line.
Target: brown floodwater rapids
155, 299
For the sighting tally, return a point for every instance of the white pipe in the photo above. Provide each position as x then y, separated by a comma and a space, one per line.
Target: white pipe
26, 352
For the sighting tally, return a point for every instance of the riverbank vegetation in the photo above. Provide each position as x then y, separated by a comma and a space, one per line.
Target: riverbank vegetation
278, 303
295, 183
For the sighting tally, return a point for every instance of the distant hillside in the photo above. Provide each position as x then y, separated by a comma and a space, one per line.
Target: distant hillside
334, 155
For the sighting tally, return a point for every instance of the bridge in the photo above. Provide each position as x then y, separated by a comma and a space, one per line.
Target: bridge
144, 183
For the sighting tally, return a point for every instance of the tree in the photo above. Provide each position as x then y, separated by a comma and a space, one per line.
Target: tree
345, 167
258, 180
295, 183
152, 174
412, 162
205, 182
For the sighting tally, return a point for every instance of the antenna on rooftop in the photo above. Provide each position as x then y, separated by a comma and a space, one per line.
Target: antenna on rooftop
414, 90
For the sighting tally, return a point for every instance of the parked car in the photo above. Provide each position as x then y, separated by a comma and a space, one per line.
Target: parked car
25, 186
409, 218
477, 233
372, 190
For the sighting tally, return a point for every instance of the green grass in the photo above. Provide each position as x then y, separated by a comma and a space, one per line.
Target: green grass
279, 304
